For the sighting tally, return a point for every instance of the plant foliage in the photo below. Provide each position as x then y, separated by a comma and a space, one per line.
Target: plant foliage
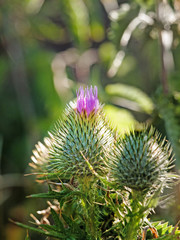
101, 186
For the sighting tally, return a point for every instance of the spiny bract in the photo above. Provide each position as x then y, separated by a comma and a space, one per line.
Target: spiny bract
79, 140
140, 160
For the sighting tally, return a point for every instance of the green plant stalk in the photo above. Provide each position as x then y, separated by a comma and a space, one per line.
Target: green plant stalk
135, 217
87, 187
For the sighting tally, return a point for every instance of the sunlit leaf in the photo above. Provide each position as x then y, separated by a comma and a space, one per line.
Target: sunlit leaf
131, 93
120, 119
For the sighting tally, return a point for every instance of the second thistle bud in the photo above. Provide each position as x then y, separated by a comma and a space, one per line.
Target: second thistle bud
140, 160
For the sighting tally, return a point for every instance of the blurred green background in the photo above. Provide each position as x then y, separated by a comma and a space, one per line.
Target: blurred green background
48, 48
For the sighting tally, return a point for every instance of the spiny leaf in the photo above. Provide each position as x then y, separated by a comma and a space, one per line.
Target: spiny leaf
41, 231
165, 231
49, 227
169, 237
56, 219
53, 195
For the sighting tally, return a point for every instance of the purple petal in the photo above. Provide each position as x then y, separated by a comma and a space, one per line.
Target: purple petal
87, 100
80, 100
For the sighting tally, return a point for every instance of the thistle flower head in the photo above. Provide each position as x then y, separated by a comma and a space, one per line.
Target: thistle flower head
140, 160
87, 101
77, 142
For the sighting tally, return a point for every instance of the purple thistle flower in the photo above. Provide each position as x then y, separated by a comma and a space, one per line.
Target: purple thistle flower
87, 100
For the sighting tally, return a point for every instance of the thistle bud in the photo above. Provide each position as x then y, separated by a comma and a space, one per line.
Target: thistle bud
140, 160
81, 137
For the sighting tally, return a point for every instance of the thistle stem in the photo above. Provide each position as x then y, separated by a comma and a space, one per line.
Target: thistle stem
86, 185
135, 218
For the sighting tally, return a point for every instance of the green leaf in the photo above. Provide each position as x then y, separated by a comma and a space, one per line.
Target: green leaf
135, 95
56, 219
52, 194
169, 237
50, 233
49, 227
121, 119
49, 195
165, 231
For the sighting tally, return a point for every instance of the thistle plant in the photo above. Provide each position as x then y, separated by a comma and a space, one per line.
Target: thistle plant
101, 186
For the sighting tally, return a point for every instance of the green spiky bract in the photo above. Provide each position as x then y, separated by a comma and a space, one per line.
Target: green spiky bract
77, 140
141, 160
